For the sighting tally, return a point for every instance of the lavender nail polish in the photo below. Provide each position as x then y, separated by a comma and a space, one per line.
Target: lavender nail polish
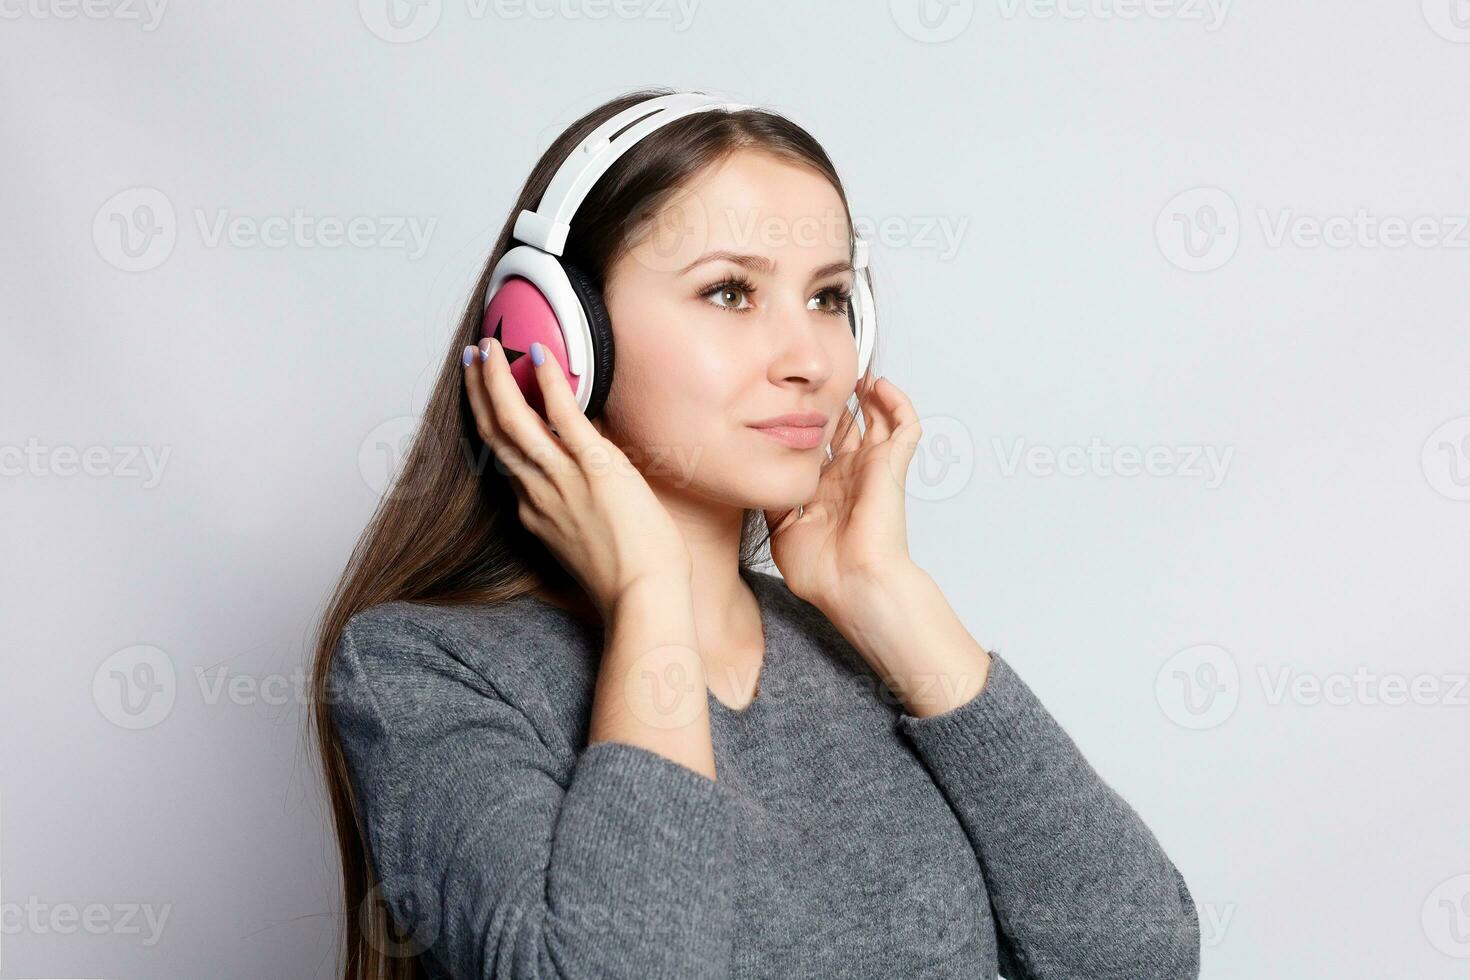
538, 353
469, 356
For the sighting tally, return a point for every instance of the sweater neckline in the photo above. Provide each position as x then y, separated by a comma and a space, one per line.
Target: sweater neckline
761, 584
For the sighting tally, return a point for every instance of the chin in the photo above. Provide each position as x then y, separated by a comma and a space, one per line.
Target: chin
779, 487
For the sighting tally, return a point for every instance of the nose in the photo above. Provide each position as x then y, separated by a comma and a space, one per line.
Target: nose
802, 346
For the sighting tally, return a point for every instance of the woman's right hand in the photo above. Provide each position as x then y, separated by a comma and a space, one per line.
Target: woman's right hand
575, 489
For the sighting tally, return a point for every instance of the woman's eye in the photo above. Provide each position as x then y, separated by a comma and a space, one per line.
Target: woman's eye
735, 296
728, 296
833, 300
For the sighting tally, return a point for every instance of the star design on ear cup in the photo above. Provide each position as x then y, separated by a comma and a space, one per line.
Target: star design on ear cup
510, 353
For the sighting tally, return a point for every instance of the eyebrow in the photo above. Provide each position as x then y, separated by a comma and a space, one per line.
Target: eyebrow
762, 264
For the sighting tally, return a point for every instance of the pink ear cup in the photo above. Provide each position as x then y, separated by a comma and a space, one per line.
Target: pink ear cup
517, 315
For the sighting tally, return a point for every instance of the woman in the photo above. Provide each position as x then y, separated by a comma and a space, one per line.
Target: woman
570, 731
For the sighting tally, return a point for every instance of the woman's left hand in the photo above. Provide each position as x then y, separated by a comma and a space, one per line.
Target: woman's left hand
855, 528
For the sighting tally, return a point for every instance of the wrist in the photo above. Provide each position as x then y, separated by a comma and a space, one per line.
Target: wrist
900, 622
649, 592
876, 585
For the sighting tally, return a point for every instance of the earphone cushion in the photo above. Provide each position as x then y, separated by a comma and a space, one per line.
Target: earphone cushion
857, 310
602, 336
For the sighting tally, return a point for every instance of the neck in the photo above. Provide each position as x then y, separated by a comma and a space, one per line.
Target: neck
726, 613
724, 605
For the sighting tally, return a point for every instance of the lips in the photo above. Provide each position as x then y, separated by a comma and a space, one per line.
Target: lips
799, 430
797, 419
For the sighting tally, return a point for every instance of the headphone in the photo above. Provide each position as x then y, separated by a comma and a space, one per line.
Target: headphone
535, 295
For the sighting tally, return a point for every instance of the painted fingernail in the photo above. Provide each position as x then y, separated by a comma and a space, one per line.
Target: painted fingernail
485, 347
538, 353
469, 356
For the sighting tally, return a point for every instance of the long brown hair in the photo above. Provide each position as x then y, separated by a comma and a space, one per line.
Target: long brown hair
446, 531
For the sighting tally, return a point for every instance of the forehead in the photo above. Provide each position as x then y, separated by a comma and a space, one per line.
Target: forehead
751, 201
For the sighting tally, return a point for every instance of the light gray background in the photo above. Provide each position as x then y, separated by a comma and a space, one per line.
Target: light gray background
1320, 839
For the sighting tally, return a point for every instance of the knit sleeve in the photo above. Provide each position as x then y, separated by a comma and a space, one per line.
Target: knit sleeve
501, 858
1079, 886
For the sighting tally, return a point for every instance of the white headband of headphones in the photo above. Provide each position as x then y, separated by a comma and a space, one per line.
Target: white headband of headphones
548, 226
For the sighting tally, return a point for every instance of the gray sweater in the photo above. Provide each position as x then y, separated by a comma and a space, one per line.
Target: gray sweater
843, 838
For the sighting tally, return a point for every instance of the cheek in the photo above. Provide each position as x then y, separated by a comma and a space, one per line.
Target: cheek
676, 374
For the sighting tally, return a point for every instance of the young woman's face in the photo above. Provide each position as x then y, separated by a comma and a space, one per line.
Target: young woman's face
730, 307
